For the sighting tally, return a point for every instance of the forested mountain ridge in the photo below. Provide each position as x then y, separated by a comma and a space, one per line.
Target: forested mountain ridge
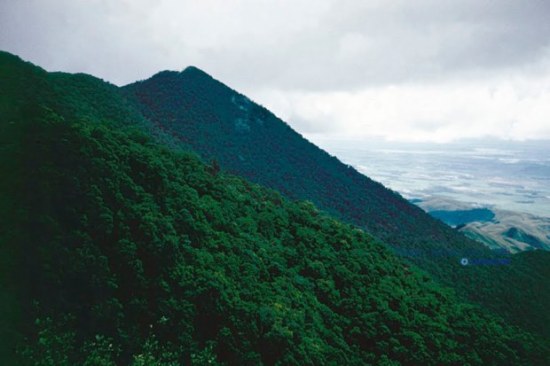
248, 140
119, 250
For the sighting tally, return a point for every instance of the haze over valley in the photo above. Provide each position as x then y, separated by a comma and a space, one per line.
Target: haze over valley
509, 178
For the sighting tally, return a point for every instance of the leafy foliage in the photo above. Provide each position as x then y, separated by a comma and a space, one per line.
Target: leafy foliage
138, 255
119, 250
248, 140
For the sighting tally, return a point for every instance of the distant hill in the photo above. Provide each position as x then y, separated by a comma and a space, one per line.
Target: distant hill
461, 217
118, 250
498, 229
243, 138
512, 230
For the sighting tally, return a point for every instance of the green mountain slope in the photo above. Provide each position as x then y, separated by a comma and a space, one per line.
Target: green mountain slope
248, 140
122, 251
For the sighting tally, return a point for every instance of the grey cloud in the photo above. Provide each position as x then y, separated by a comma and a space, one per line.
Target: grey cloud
428, 40
317, 45
357, 44
480, 66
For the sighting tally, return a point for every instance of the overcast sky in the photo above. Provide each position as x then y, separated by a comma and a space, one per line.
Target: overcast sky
423, 70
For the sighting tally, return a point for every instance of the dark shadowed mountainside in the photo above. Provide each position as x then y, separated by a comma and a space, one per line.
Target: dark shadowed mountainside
119, 249
246, 139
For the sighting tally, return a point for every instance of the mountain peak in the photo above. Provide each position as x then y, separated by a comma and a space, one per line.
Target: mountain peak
196, 73
193, 69
187, 74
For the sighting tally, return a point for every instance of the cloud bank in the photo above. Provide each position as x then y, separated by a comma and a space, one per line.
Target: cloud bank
432, 70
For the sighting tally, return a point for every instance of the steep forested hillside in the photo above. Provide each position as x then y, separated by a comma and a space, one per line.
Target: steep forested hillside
248, 140
118, 249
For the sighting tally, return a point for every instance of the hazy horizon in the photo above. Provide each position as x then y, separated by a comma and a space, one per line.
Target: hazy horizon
504, 175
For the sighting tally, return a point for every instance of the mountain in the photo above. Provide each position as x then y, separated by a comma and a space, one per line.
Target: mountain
498, 229
514, 231
118, 250
246, 139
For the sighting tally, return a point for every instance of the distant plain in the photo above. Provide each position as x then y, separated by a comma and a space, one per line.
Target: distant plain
512, 179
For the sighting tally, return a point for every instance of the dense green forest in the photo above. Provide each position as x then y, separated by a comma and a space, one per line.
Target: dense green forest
248, 140
119, 249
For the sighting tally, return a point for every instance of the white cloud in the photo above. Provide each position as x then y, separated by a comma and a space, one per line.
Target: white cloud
404, 70
514, 107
